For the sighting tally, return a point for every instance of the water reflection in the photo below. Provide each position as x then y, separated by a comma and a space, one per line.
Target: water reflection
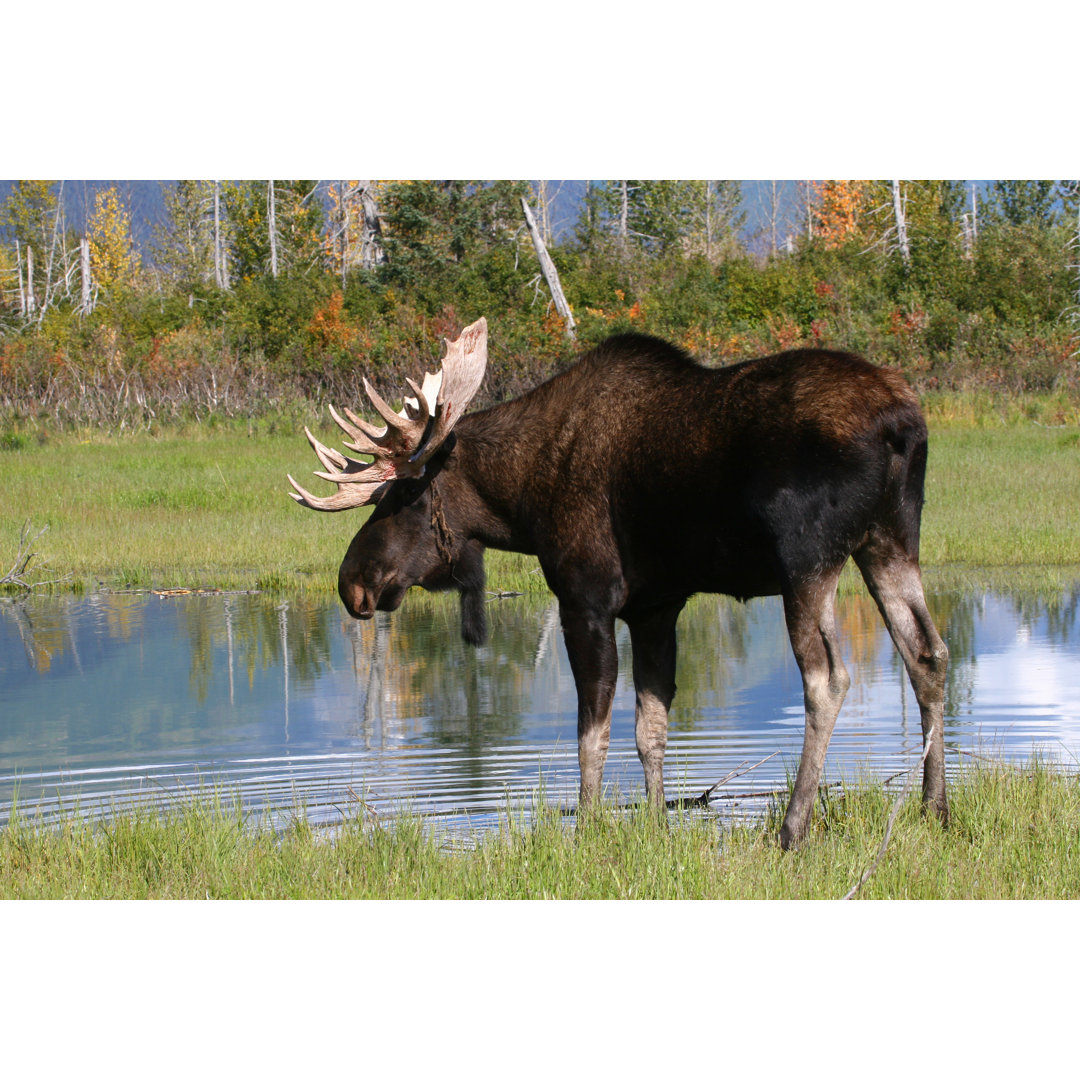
289, 703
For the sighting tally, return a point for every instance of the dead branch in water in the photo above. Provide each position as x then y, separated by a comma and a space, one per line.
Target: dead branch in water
17, 574
703, 798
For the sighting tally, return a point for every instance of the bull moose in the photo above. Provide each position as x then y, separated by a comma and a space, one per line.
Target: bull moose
638, 477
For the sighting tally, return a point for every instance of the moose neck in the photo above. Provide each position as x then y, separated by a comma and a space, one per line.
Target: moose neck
496, 452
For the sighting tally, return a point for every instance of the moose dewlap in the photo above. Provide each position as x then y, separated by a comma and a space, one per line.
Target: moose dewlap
637, 477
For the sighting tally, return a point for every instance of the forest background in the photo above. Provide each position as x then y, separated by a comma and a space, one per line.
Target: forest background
254, 297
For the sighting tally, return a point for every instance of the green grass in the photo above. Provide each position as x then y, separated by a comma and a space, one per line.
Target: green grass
188, 509
1002, 496
1015, 834
208, 507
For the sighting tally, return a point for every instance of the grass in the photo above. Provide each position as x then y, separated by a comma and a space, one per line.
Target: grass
1014, 834
206, 507
1002, 496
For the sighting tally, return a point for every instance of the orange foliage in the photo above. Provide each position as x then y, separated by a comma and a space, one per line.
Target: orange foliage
784, 331
328, 326
635, 313
907, 322
839, 203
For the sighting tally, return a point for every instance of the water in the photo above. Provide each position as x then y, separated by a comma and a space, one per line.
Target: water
291, 707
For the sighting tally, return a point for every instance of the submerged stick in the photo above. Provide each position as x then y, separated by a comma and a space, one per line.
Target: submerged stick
703, 798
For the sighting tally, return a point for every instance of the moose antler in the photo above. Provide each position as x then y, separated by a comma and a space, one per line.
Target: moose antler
409, 438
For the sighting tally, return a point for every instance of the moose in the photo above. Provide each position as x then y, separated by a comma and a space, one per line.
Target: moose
639, 477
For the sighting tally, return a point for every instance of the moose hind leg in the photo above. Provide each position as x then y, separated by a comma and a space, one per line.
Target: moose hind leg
809, 610
652, 638
895, 583
590, 646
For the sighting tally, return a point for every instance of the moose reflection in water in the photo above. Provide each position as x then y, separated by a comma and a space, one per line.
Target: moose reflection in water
639, 478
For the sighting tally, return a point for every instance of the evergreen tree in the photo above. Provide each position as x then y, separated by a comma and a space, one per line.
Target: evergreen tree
1023, 202
658, 216
432, 226
28, 214
28, 223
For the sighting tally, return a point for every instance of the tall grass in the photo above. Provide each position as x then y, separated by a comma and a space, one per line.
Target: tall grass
1014, 834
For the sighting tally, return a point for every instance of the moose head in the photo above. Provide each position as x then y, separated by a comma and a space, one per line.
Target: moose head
410, 537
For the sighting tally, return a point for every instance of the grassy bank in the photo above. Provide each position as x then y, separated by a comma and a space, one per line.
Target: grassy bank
206, 507
1015, 834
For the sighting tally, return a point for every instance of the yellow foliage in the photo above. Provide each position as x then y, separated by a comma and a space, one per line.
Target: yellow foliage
113, 258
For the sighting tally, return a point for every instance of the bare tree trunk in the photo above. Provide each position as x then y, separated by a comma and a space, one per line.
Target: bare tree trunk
774, 215
218, 279
901, 224
47, 299
1076, 242
544, 198
22, 285
551, 275
708, 220
808, 195
542, 208
344, 196
624, 213
86, 303
272, 224
371, 250
30, 306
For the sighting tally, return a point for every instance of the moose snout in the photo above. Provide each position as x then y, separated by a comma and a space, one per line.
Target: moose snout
358, 601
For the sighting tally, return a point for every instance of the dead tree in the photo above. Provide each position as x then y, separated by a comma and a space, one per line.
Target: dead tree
551, 275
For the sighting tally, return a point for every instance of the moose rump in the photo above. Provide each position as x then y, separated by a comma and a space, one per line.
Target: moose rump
638, 478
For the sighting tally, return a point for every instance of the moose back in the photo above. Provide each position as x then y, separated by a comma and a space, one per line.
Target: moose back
637, 478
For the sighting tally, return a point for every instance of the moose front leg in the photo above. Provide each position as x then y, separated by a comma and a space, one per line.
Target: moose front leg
590, 645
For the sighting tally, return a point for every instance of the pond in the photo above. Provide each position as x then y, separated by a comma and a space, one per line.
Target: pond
288, 705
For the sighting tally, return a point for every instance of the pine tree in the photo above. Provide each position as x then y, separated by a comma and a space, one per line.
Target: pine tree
658, 216
433, 226
30, 221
